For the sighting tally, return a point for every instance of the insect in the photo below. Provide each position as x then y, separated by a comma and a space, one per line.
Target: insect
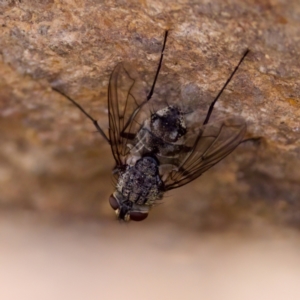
157, 148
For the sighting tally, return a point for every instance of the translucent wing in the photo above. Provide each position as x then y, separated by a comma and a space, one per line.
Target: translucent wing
211, 144
125, 98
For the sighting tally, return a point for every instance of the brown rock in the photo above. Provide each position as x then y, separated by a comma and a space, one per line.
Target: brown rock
50, 157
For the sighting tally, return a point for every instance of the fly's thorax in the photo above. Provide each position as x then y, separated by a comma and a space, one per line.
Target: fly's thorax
138, 186
132, 158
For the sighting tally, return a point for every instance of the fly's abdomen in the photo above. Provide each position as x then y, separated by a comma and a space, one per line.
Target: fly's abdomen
163, 135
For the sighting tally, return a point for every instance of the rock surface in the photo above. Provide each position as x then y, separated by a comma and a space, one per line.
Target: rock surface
53, 259
50, 158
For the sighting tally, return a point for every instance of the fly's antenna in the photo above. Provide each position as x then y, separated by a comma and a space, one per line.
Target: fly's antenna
86, 114
159, 66
211, 107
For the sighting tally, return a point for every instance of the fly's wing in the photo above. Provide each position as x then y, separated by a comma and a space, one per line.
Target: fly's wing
126, 96
211, 144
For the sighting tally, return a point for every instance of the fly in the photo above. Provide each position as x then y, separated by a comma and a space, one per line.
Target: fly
157, 149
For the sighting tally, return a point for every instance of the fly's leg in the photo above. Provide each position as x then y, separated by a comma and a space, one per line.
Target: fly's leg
86, 114
128, 135
131, 136
211, 107
159, 66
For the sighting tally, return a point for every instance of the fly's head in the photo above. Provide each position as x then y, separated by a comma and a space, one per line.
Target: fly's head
168, 124
127, 210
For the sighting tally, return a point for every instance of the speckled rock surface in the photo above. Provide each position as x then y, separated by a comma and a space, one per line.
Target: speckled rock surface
51, 159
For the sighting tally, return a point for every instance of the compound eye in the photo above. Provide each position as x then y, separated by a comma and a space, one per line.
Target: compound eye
113, 202
138, 216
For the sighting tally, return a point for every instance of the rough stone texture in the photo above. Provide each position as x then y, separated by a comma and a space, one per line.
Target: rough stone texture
50, 157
